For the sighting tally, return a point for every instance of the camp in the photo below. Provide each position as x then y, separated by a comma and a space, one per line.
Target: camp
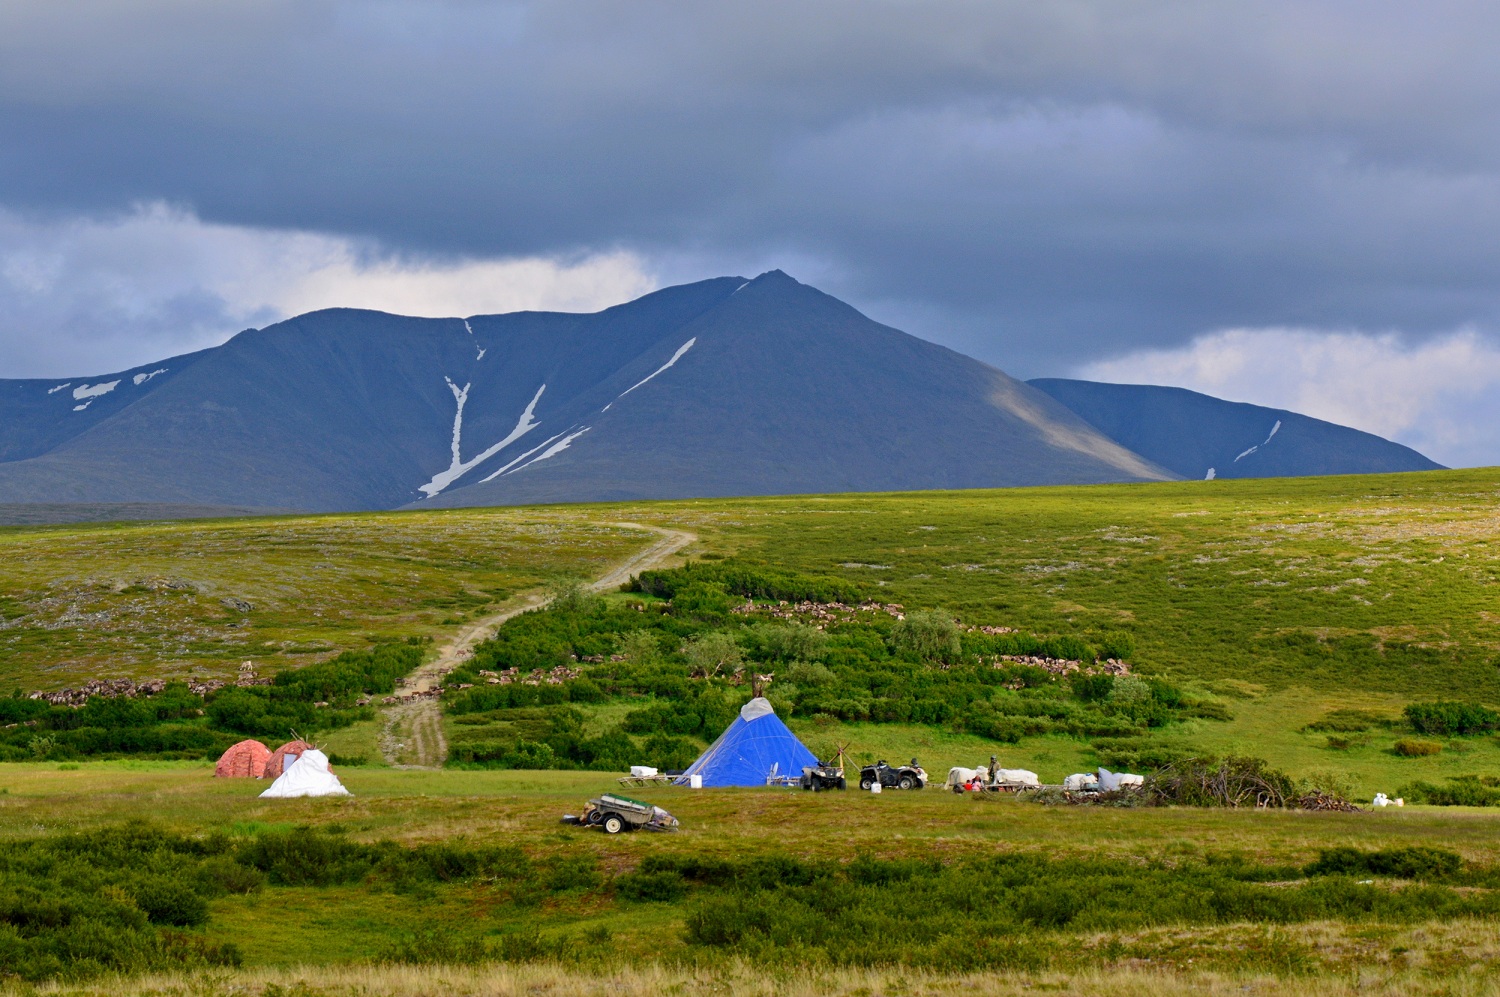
755, 748
307, 776
245, 760
281, 759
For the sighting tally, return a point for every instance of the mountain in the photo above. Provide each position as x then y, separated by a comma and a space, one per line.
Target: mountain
1198, 436
723, 387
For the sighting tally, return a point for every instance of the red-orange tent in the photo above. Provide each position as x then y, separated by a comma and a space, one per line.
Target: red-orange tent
246, 760
279, 759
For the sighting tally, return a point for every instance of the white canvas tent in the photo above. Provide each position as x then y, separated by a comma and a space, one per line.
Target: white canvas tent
307, 776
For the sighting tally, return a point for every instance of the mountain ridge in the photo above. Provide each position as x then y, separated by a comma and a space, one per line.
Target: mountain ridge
726, 386
1200, 436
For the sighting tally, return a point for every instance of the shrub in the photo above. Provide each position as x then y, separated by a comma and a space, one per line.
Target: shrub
1130, 689
1348, 721
1129, 755
702, 600
657, 887
1091, 688
1414, 748
788, 642
168, 901
573, 596
1401, 863
810, 673
750, 581
1118, 645
1461, 791
640, 647
929, 635
1447, 719
716, 652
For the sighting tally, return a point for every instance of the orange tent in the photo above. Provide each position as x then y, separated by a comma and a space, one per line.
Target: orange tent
284, 756
246, 760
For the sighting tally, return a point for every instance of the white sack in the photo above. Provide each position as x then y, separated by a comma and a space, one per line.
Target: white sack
958, 776
1023, 777
642, 771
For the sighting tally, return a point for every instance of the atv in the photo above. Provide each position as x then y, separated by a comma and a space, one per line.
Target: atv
901, 777
824, 775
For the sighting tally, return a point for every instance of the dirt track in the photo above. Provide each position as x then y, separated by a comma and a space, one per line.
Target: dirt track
411, 732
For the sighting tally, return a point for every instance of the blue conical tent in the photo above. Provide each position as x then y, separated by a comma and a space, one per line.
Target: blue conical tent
753, 748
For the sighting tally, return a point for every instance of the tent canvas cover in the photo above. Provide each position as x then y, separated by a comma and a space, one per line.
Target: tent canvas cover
307, 776
753, 748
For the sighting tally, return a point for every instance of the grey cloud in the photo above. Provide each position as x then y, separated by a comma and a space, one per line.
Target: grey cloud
1035, 183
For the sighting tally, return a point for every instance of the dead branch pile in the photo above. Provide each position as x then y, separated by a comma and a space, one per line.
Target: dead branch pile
1319, 800
1230, 782
1235, 782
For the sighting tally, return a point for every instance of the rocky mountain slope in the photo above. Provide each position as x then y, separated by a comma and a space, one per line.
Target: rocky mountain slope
726, 386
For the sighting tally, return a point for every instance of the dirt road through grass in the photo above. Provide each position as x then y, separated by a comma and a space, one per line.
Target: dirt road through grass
411, 732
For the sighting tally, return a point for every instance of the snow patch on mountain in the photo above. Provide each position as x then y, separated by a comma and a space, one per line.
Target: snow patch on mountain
675, 357
53, 391
94, 390
1274, 430
470, 330
496, 473
553, 450
86, 393
459, 467
141, 379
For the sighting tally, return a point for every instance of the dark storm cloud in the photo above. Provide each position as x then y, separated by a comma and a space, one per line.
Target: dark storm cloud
1035, 183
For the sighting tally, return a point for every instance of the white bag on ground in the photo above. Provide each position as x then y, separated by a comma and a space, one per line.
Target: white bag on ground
307, 776
1017, 777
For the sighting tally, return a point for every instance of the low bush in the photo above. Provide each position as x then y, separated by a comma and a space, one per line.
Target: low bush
1347, 721
1446, 719
178, 723
1411, 747
1400, 863
688, 665
1459, 791
749, 581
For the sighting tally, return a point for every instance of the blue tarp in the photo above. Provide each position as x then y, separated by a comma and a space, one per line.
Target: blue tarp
751, 749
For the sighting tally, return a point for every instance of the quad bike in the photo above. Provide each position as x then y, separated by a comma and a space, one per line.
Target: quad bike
824, 775
900, 777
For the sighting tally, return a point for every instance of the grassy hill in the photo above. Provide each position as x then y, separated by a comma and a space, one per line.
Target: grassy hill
1271, 603
172, 599
1282, 600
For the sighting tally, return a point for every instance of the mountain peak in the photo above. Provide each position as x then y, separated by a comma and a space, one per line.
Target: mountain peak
722, 387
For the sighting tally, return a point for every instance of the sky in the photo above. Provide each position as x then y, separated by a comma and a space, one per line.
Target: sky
1294, 204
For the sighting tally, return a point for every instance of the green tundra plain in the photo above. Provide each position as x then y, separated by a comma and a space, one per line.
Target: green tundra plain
1292, 620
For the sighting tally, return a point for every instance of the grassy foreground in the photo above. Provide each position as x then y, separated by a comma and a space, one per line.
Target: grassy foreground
330, 939
745, 980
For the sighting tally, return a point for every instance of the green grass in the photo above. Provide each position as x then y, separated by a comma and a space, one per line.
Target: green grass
1309, 594
1390, 581
352, 923
141, 600
1284, 600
